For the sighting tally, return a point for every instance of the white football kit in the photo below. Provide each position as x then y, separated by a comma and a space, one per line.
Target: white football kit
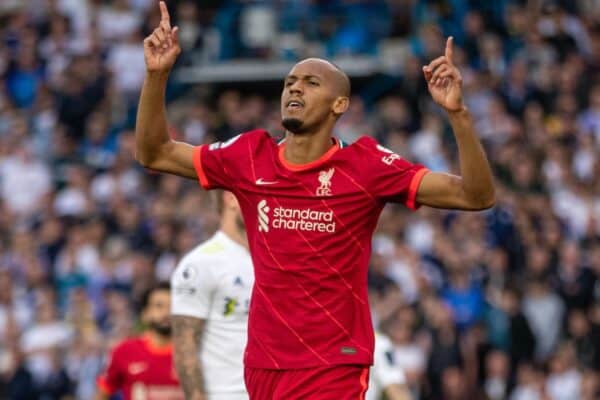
384, 371
214, 282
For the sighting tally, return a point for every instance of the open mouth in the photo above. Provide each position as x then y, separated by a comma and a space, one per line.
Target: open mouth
294, 105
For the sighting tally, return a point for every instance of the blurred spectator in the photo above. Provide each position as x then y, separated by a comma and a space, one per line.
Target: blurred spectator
126, 63
585, 340
564, 381
453, 384
190, 29
426, 144
544, 311
408, 354
73, 199
589, 119
522, 342
25, 180
15, 380
14, 311
445, 353
379, 272
81, 91
464, 297
590, 388
42, 345
117, 20
575, 282
99, 147
386, 377
497, 376
24, 78
562, 29
530, 384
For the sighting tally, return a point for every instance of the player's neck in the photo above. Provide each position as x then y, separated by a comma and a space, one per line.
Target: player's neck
306, 147
229, 227
158, 340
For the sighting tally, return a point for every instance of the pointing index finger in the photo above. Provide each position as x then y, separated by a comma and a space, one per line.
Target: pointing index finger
449, 49
164, 13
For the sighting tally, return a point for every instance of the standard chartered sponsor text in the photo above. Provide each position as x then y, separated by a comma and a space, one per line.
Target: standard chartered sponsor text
303, 219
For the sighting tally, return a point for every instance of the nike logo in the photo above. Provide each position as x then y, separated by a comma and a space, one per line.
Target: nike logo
260, 181
137, 368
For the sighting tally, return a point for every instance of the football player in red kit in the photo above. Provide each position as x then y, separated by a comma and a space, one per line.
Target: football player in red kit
142, 367
310, 204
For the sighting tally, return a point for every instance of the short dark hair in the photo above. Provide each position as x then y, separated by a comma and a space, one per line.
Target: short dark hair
145, 299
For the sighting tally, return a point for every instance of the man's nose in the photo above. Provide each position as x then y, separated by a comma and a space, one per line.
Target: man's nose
296, 88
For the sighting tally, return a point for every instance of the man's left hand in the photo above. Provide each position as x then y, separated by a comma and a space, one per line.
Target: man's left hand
444, 80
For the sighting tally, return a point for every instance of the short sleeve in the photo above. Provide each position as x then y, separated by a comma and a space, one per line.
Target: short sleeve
221, 164
112, 379
390, 177
385, 372
192, 288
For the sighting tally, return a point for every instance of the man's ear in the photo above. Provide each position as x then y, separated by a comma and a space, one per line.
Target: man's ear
340, 105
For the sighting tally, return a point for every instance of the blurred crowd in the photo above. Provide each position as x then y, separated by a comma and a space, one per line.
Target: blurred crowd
502, 304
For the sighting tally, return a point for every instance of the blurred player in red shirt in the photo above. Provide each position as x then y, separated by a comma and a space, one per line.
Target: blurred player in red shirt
310, 204
142, 367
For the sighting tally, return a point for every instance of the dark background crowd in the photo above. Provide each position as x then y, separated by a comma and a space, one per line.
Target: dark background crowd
501, 304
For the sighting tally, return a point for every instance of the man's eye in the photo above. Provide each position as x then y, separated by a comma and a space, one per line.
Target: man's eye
288, 84
313, 83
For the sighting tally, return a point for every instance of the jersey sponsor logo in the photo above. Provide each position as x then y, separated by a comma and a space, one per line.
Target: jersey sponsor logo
294, 219
263, 217
390, 158
325, 182
261, 181
233, 304
137, 368
347, 350
230, 305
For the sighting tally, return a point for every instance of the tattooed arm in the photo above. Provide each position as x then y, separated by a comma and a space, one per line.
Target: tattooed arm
187, 332
397, 391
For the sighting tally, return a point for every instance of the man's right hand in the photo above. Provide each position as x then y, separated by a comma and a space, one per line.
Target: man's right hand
161, 48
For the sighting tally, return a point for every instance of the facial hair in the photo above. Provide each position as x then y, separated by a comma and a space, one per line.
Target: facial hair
293, 125
161, 329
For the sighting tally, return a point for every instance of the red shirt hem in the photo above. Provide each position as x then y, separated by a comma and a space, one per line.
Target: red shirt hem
411, 201
197, 157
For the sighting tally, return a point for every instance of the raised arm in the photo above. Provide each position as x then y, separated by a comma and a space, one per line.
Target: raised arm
154, 148
187, 332
474, 188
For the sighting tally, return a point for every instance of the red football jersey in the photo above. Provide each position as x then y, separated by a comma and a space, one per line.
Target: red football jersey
142, 371
309, 229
